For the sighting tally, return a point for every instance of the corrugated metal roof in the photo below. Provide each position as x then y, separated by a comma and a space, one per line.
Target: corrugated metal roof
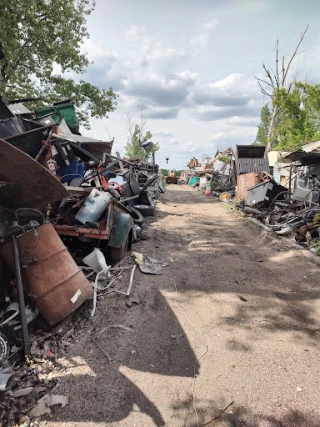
305, 159
311, 146
18, 108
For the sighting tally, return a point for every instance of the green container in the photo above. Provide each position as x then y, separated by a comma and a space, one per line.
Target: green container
67, 111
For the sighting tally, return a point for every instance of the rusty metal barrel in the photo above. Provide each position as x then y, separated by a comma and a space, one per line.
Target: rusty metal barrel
50, 275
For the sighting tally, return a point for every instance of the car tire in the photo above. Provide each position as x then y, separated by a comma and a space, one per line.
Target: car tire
136, 216
146, 199
145, 210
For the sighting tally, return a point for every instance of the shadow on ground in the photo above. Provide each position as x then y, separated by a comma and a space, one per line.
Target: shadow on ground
203, 250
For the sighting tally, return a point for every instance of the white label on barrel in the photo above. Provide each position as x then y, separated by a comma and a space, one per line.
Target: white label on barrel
75, 296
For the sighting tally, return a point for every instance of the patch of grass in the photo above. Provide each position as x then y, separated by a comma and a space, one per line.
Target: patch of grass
317, 246
227, 206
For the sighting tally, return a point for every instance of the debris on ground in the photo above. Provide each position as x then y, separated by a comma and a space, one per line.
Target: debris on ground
149, 265
67, 220
44, 404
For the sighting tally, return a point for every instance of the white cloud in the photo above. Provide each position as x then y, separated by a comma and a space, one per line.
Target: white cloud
151, 77
211, 24
235, 95
234, 136
135, 33
163, 133
199, 40
97, 52
248, 122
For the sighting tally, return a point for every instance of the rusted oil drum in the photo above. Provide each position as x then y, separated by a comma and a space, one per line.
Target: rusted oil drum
50, 275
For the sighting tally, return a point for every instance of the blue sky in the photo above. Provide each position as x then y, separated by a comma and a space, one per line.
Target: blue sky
190, 66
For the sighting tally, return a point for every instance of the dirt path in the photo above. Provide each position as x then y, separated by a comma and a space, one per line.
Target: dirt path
192, 345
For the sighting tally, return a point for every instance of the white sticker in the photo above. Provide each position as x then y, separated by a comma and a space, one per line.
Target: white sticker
75, 296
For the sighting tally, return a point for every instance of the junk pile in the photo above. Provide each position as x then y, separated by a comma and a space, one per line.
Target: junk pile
214, 176
288, 202
280, 189
61, 193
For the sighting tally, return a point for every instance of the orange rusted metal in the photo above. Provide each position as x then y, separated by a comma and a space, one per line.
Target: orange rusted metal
244, 182
90, 233
52, 277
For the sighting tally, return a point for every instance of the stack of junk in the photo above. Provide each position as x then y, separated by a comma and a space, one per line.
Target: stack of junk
279, 189
286, 202
214, 176
61, 193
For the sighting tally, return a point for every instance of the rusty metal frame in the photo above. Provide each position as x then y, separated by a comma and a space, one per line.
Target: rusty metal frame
102, 233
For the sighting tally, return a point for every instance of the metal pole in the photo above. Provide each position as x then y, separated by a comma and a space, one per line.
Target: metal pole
22, 306
290, 179
153, 163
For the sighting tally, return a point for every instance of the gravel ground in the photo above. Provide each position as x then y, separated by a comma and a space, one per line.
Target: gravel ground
233, 318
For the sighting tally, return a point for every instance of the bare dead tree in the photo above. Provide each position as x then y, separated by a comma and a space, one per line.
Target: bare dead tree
142, 124
129, 124
276, 80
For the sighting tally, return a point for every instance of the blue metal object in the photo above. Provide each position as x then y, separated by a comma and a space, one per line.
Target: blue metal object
123, 224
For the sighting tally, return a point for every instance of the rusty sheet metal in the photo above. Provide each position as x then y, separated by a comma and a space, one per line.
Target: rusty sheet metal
30, 185
244, 182
53, 279
90, 233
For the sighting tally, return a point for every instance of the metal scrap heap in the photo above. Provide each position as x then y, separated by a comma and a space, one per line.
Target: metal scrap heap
279, 189
288, 202
63, 196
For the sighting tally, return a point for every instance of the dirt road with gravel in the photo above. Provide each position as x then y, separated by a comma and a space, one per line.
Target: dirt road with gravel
234, 319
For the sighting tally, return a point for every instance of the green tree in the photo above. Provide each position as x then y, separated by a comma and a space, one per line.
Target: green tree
39, 37
262, 133
299, 120
278, 80
134, 147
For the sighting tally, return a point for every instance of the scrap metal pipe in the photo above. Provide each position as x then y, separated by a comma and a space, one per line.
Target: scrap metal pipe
22, 306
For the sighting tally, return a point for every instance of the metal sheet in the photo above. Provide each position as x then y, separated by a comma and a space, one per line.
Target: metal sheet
94, 146
305, 159
251, 158
30, 185
250, 165
18, 108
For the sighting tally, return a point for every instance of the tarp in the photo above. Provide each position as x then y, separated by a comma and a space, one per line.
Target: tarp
193, 180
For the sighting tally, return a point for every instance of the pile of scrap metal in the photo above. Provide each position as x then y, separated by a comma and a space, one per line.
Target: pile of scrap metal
223, 174
292, 207
59, 190
214, 176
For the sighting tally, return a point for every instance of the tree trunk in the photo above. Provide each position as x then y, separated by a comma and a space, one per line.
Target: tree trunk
271, 127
